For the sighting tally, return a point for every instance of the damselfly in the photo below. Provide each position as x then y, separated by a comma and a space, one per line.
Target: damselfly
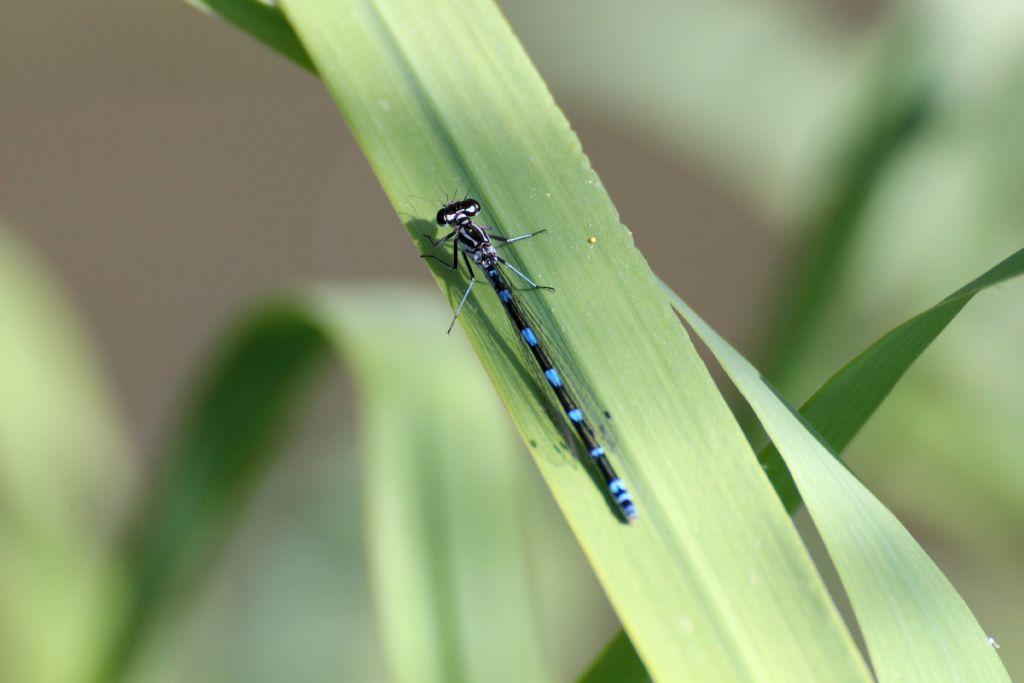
476, 245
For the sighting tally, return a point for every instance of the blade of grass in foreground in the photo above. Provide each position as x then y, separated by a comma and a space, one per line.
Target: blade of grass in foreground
429, 118
838, 410
713, 584
915, 624
444, 516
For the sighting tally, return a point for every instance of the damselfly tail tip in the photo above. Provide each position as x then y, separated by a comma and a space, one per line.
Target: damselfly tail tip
632, 517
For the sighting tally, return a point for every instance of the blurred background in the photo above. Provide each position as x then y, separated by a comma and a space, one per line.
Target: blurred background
835, 166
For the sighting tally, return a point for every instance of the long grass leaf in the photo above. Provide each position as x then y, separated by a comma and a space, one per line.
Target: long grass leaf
842, 405
915, 624
442, 97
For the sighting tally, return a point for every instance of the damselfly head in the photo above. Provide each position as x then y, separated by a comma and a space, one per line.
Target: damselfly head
458, 212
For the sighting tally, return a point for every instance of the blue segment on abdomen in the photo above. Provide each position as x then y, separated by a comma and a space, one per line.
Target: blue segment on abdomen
529, 337
597, 452
505, 295
553, 377
576, 415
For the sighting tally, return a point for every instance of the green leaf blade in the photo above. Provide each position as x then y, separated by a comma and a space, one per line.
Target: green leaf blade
842, 405
713, 583
916, 626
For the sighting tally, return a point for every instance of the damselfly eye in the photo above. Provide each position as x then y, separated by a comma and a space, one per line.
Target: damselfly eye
443, 216
471, 206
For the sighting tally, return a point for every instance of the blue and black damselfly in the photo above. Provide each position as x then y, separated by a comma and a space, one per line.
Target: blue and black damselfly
474, 243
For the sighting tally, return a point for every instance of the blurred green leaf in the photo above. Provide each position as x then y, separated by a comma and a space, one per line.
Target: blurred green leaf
839, 409
895, 107
287, 599
444, 529
65, 477
713, 583
443, 497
